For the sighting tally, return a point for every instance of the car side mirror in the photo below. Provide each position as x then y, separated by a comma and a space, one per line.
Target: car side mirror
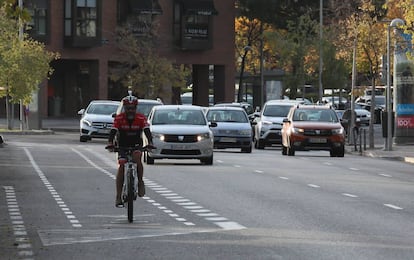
113, 115
80, 112
212, 124
285, 120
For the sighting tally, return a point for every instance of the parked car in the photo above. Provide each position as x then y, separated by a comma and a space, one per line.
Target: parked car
180, 132
187, 99
268, 123
233, 128
335, 101
362, 117
97, 119
365, 102
313, 127
144, 106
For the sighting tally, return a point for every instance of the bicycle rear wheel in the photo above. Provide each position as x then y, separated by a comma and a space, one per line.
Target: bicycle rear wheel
130, 197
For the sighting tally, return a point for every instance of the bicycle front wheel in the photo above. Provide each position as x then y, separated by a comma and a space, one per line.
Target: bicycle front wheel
130, 197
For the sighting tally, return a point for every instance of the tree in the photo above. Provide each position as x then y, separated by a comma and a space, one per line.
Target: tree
293, 47
142, 68
24, 62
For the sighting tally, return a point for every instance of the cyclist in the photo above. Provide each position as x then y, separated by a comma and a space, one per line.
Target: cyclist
128, 126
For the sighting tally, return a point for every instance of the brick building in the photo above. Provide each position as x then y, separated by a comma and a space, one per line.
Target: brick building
199, 33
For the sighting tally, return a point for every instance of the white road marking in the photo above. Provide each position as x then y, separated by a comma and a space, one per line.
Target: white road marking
313, 185
393, 206
354, 169
19, 229
385, 175
174, 197
229, 225
350, 195
259, 171
45, 181
283, 178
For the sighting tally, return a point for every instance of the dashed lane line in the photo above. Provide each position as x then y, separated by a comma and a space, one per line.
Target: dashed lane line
22, 241
68, 213
350, 195
393, 206
174, 197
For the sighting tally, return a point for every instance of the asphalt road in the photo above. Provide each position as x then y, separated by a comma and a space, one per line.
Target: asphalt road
57, 202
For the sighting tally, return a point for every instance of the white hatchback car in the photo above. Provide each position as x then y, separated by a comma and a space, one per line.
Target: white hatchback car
96, 120
180, 132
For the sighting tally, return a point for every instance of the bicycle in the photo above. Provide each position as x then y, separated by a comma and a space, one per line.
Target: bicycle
130, 186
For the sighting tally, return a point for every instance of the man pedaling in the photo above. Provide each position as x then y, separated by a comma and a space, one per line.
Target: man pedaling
128, 127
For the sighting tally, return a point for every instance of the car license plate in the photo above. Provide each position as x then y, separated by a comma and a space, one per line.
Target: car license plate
178, 147
104, 131
318, 140
228, 140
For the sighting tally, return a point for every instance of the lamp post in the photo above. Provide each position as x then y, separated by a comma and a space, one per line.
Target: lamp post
394, 23
320, 49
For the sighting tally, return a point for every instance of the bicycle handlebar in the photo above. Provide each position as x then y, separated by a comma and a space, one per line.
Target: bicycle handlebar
133, 148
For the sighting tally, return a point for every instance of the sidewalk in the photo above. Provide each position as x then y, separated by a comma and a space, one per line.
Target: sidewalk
48, 125
403, 153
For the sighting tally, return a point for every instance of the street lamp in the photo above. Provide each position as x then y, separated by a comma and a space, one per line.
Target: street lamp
394, 23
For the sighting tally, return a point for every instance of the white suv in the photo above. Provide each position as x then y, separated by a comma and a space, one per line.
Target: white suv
268, 125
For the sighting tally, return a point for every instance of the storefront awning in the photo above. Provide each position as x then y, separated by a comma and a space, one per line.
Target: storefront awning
145, 6
199, 7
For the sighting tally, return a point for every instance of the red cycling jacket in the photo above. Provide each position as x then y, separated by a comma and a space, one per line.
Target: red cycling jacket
130, 133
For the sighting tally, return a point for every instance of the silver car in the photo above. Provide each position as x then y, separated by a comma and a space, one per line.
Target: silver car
180, 132
96, 120
268, 125
233, 128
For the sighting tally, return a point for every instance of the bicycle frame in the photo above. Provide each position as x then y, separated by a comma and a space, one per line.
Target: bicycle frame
129, 191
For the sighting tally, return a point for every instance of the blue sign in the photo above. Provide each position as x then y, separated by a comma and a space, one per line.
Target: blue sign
405, 109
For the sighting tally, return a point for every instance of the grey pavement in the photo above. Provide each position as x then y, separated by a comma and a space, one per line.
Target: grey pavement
403, 153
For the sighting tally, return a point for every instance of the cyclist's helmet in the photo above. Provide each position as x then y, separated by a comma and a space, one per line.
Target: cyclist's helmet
130, 101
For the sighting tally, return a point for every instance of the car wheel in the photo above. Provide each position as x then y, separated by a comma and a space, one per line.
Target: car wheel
207, 161
340, 152
247, 149
150, 160
83, 138
259, 144
284, 150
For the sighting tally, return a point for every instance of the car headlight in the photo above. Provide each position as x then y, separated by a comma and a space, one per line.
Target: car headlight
338, 131
297, 130
247, 132
267, 122
204, 136
86, 122
158, 136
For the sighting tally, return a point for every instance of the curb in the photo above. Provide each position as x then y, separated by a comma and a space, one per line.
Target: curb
28, 132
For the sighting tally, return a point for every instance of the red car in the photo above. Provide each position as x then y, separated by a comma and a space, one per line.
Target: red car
313, 127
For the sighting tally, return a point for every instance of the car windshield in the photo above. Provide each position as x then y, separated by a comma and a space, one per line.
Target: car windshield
319, 115
227, 116
276, 110
178, 117
145, 109
102, 109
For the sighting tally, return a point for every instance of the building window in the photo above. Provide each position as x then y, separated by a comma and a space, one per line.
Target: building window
37, 27
86, 18
193, 23
82, 20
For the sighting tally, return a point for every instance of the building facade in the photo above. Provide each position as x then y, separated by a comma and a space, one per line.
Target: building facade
197, 33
